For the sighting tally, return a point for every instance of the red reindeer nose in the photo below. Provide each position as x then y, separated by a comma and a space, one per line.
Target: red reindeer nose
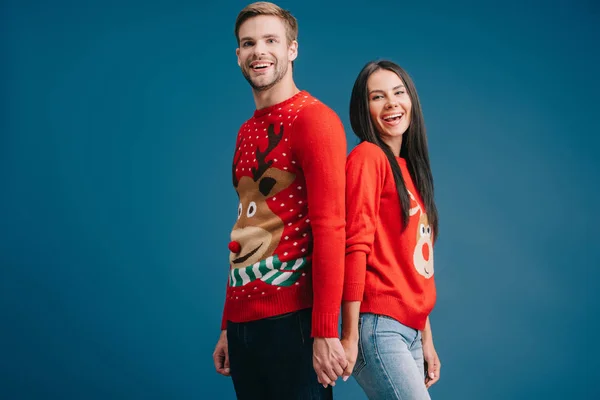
235, 247
424, 249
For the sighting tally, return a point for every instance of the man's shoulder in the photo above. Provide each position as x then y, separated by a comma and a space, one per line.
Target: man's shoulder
246, 123
316, 109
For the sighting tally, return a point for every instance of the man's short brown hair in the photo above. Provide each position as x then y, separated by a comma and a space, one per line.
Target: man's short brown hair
266, 8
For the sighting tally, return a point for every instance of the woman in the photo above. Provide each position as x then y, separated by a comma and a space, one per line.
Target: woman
391, 223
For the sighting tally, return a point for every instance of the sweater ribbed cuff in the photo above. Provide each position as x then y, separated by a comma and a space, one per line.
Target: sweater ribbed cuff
325, 325
354, 276
353, 292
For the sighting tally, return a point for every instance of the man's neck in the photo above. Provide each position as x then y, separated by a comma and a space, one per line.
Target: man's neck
282, 91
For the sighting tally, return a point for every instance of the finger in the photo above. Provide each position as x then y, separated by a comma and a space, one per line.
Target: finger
348, 371
431, 382
331, 375
217, 360
223, 371
323, 379
436, 373
432, 377
338, 369
226, 367
430, 367
220, 356
342, 360
433, 370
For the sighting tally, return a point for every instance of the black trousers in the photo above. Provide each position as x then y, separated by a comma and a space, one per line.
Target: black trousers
272, 359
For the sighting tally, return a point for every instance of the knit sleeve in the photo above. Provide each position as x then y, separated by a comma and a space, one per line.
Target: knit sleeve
224, 316
319, 144
365, 173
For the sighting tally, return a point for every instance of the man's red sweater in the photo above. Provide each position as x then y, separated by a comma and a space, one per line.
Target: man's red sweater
287, 246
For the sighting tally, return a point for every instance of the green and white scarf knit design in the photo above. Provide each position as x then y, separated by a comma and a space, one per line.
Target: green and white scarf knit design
270, 270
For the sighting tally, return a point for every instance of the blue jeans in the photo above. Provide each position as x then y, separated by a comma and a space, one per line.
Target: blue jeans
390, 361
272, 358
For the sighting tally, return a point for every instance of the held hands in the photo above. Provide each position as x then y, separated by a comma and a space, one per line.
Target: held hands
350, 346
329, 360
221, 355
432, 363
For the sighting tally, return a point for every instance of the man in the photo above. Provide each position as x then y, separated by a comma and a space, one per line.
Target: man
279, 336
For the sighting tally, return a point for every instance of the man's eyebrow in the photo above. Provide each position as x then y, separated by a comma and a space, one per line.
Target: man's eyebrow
267, 36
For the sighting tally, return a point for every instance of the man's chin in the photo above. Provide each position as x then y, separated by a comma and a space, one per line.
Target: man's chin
262, 85
263, 80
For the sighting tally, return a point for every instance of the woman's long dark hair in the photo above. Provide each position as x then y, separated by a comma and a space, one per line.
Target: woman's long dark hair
414, 141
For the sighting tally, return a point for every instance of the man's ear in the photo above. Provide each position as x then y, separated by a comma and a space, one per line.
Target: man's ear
237, 53
293, 50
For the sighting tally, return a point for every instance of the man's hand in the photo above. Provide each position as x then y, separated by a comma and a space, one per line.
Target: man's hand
351, 349
432, 363
329, 360
221, 355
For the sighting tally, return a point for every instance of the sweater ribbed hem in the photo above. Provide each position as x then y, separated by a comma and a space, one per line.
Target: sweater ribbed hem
324, 324
280, 302
395, 308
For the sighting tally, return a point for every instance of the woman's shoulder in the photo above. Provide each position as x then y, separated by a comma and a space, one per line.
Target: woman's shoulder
367, 152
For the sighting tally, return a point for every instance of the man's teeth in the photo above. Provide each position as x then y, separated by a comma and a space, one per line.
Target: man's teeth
391, 117
262, 65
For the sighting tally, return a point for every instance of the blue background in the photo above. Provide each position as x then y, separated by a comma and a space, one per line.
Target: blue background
117, 130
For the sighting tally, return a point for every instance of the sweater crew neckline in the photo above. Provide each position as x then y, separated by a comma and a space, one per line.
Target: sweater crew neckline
266, 110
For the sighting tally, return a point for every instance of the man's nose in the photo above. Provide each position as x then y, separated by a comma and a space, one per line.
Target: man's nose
260, 48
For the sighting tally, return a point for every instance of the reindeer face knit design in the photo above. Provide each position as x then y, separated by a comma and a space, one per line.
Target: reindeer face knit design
271, 250
266, 199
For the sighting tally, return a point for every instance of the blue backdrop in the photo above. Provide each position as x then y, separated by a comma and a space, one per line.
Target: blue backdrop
117, 129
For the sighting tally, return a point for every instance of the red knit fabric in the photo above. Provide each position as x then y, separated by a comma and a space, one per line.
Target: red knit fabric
288, 171
387, 268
